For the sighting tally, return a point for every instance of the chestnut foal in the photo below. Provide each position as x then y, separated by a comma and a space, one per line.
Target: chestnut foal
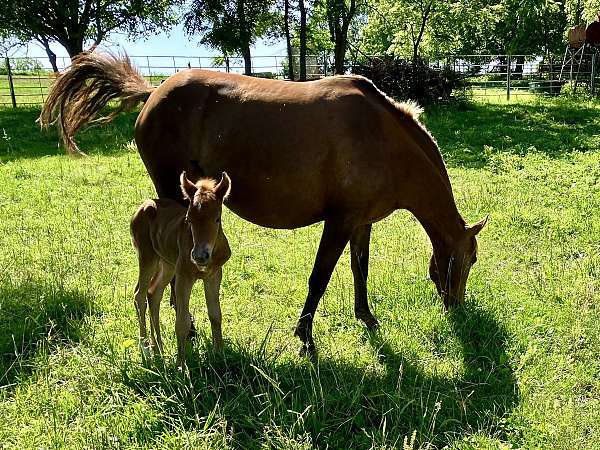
190, 244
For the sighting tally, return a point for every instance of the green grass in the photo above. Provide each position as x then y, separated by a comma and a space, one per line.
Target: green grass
516, 367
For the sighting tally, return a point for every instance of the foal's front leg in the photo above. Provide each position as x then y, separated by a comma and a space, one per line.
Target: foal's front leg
183, 320
211, 293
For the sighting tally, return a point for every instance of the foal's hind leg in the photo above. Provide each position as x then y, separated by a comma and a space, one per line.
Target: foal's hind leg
359, 254
155, 295
147, 269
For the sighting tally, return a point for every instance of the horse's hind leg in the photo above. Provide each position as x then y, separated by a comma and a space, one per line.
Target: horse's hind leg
359, 254
155, 295
334, 239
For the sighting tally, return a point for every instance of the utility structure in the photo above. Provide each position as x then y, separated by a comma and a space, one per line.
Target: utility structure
581, 56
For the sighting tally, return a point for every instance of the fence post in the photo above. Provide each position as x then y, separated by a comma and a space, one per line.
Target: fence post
325, 62
593, 80
508, 63
10, 83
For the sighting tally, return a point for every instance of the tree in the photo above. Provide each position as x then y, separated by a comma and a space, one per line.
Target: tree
288, 37
77, 23
411, 27
231, 25
303, 34
339, 16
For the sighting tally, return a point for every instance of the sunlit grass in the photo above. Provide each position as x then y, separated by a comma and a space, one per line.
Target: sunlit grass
517, 365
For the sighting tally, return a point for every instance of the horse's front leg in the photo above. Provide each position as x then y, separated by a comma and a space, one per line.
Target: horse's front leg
333, 240
359, 254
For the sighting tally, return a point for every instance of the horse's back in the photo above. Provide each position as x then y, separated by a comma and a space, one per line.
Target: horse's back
296, 152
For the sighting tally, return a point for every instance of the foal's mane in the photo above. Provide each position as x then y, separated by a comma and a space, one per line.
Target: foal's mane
206, 189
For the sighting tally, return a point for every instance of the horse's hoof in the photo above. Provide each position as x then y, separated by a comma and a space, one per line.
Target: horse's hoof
369, 320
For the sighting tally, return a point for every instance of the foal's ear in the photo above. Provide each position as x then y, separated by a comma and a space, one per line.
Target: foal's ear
187, 187
474, 230
224, 187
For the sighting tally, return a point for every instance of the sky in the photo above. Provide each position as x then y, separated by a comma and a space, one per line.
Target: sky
173, 43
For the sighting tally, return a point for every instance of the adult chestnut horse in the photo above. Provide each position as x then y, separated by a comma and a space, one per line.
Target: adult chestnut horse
335, 150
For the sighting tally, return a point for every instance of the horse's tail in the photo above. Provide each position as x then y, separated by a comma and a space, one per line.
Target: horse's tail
80, 92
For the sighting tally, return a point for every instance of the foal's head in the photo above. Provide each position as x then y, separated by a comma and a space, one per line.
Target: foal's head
204, 214
449, 268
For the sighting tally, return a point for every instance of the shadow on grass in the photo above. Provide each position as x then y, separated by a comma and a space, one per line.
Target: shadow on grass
334, 403
21, 137
35, 315
469, 133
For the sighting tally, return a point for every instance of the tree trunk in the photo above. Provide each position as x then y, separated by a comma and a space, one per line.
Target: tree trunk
73, 47
49, 52
288, 39
247, 60
245, 37
518, 72
302, 40
339, 54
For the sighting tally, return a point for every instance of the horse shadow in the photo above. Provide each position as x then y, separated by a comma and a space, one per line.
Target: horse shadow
36, 317
331, 403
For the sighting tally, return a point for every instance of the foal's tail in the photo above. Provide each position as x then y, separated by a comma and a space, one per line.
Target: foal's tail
80, 92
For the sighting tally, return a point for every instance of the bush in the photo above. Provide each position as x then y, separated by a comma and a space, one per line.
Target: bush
404, 80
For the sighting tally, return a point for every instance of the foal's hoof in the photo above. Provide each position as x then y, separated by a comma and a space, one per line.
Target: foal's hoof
369, 320
308, 350
193, 334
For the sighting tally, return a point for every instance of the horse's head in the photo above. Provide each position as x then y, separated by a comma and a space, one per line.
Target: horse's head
449, 268
204, 214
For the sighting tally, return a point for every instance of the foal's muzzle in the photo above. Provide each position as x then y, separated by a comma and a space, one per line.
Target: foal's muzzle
201, 256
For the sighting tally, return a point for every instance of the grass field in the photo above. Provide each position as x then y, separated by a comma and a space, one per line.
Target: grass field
518, 366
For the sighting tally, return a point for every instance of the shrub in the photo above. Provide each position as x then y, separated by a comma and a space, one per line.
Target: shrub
404, 80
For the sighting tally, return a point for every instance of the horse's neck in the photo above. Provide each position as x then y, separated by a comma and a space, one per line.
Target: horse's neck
436, 210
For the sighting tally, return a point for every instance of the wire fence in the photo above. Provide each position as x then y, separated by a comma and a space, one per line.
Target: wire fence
25, 81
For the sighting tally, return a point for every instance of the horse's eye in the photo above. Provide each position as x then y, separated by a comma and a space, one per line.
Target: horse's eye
218, 219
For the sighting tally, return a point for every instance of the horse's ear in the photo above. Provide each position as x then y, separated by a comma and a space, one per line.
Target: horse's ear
474, 230
187, 187
224, 187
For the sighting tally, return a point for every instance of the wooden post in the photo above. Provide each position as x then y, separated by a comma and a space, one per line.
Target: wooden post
10, 83
508, 63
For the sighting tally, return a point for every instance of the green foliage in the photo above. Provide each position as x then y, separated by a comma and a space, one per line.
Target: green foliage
394, 25
465, 27
231, 26
76, 23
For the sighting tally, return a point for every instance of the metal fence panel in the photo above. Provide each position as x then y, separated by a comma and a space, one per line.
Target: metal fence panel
25, 81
